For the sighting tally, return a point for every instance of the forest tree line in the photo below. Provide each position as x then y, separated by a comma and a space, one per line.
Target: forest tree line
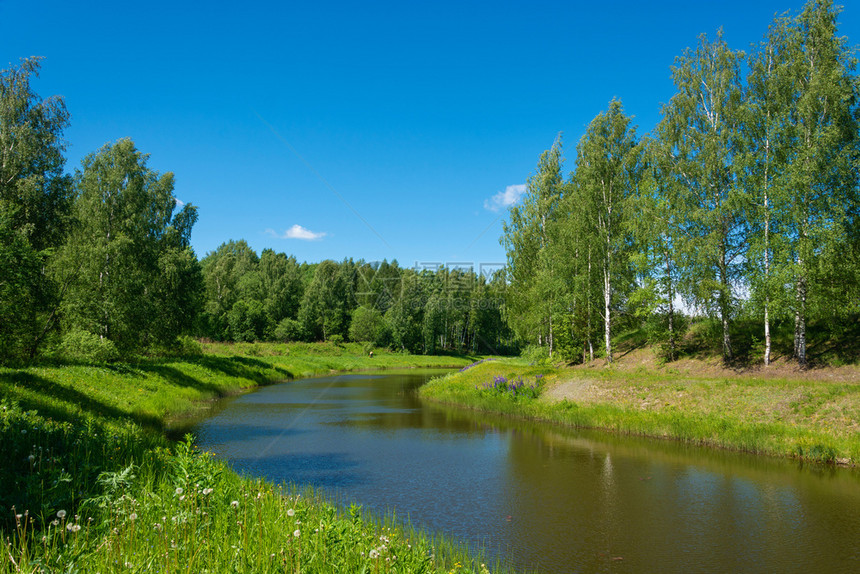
274, 297
98, 264
741, 204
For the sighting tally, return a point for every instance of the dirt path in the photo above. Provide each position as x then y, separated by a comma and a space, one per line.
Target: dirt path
575, 390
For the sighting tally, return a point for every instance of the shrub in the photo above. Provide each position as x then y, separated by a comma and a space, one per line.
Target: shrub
85, 346
536, 354
290, 330
188, 346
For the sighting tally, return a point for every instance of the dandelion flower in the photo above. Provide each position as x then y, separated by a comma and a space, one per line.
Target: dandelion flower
61, 514
132, 516
296, 533
374, 554
179, 491
291, 512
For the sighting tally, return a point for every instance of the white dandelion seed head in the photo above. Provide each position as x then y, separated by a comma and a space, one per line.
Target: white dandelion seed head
61, 514
297, 533
291, 512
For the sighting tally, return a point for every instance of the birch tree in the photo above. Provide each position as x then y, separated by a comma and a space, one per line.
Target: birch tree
700, 130
525, 239
608, 172
764, 161
821, 144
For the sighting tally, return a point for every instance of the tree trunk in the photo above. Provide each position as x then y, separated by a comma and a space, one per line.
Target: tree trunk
670, 294
724, 302
607, 319
800, 323
550, 338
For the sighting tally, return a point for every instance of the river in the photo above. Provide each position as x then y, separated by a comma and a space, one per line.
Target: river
541, 497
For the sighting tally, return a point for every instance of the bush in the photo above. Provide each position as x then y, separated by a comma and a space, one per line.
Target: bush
188, 346
290, 330
85, 346
366, 325
536, 354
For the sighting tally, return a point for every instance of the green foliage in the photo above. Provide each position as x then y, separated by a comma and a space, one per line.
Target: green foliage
246, 320
536, 355
79, 345
607, 178
34, 206
191, 469
327, 301
530, 268
290, 330
367, 325
187, 346
131, 276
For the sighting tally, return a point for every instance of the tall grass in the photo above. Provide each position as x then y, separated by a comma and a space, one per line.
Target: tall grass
90, 483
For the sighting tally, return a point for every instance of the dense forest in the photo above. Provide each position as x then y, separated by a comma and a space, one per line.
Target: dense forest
739, 211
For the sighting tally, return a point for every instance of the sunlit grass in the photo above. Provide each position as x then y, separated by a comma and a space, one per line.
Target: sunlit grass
813, 420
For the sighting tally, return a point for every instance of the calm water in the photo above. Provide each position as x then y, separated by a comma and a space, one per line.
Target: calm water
542, 497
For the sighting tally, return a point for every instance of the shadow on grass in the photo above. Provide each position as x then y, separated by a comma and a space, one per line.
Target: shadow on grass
69, 405
241, 368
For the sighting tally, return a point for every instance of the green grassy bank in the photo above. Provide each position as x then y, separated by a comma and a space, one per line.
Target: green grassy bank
808, 416
90, 483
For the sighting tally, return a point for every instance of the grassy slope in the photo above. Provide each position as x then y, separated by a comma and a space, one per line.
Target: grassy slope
87, 466
812, 415
150, 392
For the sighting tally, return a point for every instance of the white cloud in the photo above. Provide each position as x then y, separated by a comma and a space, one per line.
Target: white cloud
297, 232
505, 199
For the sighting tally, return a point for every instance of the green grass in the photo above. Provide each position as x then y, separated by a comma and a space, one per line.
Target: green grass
90, 483
810, 420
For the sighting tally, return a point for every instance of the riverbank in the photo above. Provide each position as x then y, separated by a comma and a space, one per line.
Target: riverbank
808, 415
91, 483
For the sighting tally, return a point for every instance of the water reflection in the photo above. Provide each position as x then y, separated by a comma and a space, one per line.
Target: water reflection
540, 496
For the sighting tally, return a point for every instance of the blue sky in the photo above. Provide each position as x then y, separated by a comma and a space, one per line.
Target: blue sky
368, 130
